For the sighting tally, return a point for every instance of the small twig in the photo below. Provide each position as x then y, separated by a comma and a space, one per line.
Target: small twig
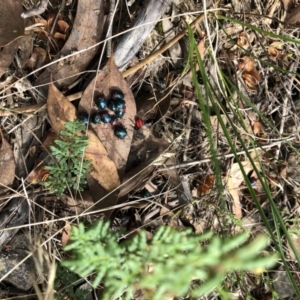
36, 11
61, 7
30, 109
110, 26
188, 131
206, 160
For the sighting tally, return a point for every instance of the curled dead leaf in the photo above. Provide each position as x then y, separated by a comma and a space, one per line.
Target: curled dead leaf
38, 174
276, 50
243, 40
250, 81
250, 75
246, 64
205, 185
7, 165
37, 58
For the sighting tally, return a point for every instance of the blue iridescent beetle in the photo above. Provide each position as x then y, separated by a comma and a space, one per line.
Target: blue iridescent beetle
116, 94
96, 118
120, 131
113, 120
120, 113
101, 102
105, 118
116, 104
84, 117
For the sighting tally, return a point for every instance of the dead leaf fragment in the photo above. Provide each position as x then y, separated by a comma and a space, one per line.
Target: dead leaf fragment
66, 233
243, 40
89, 12
288, 5
37, 58
60, 109
276, 50
206, 185
294, 16
250, 75
104, 169
12, 25
234, 180
7, 165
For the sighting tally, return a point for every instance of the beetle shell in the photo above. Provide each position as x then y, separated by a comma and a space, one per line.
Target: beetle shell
105, 118
145, 193
116, 104
138, 123
114, 120
84, 117
116, 94
120, 132
120, 113
101, 103
96, 118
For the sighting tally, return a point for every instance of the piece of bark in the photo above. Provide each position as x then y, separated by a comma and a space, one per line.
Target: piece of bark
131, 42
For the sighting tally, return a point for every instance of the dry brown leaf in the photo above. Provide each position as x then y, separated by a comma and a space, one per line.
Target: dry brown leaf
38, 174
104, 169
48, 140
288, 5
37, 58
246, 64
60, 109
243, 40
89, 12
134, 178
256, 126
276, 50
7, 53
12, 25
250, 81
249, 73
62, 26
294, 16
234, 180
201, 47
153, 107
107, 80
7, 165
206, 185
66, 233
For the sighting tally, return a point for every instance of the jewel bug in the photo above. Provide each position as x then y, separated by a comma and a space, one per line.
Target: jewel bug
96, 118
84, 117
116, 104
101, 102
114, 120
120, 113
116, 94
105, 118
120, 131
138, 123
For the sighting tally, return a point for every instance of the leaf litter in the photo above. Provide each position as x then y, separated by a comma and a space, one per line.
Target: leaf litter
145, 173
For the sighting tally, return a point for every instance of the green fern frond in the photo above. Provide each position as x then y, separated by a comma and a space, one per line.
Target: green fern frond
70, 169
